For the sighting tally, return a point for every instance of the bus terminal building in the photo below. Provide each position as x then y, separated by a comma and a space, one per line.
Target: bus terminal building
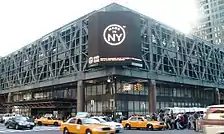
112, 60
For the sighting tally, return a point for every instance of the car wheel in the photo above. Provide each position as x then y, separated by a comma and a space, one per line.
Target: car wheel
39, 123
17, 127
55, 124
7, 126
65, 131
128, 126
31, 128
149, 127
88, 132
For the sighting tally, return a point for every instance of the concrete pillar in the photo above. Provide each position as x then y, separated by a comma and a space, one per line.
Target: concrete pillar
152, 96
9, 100
80, 96
217, 94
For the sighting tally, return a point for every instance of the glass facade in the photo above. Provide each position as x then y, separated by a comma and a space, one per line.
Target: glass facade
47, 100
101, 98
46, 94
183, 96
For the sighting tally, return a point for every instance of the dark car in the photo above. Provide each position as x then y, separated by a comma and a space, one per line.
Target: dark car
20, 122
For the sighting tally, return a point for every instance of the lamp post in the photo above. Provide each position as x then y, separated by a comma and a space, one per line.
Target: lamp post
113, 87
91, 106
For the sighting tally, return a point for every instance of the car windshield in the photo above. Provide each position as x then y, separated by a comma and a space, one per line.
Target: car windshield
107, 119
101, 120
22, 118
90, 121
148, 118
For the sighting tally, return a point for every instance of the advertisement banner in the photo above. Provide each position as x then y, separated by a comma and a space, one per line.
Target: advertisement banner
114, 39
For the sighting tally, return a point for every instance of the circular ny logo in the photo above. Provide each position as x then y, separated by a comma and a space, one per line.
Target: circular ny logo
114, 34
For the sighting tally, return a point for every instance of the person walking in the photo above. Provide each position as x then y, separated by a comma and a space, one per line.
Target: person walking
195, 118
167, 121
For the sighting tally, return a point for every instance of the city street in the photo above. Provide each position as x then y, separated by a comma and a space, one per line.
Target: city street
55, 130
35, 130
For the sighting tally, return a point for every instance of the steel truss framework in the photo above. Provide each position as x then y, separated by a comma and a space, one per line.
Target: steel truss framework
64, 53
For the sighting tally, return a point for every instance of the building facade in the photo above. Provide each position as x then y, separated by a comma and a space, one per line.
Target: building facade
210, 25
95, 62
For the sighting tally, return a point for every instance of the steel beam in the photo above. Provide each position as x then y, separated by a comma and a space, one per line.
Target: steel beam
62, 56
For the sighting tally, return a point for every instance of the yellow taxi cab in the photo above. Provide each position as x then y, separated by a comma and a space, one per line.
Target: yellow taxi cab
142, 122
48, 121
85, 126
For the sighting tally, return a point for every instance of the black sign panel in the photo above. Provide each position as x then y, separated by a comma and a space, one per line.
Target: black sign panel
114, 38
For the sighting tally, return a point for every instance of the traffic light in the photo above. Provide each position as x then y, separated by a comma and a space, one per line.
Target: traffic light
138, 87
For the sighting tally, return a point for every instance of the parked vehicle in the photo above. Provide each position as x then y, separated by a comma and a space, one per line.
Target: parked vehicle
20, 122
6, 116
214, 120
48, 121
142, 122
117, 126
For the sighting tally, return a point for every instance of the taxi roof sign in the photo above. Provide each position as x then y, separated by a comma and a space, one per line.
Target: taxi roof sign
82, 114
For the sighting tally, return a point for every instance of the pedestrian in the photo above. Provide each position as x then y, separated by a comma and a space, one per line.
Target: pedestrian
195, 118
167, 121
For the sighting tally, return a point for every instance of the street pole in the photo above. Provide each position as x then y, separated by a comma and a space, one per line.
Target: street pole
91, 107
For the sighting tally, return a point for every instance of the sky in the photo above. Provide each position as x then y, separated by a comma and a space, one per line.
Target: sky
24, 21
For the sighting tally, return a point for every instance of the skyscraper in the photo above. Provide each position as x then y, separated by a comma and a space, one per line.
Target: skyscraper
210, 24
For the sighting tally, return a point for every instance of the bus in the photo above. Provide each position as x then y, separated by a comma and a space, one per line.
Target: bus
176, 110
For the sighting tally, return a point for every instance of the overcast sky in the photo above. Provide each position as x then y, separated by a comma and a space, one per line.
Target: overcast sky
24, 21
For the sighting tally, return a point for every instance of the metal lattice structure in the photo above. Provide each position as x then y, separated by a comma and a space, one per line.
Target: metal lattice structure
58, 54
64, 53
170, 52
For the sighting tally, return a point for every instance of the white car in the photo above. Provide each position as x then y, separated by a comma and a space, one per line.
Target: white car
117, 126
214, 120
6, 117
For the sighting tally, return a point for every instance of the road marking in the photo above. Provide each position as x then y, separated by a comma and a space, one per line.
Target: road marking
35, 129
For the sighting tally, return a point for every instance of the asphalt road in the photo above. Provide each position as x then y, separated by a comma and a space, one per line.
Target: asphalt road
55, 130
126, 132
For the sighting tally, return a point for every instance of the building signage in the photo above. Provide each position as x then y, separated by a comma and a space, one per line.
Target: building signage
114, 39
114, 34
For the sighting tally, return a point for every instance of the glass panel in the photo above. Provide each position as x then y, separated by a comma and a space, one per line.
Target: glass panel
99, 106
104, 89
88, 91
99, 89
174, 92
136, 106
119, 106
162, 104
130, 105
94, 90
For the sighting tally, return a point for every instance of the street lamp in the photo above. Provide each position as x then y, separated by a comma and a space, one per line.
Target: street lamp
92, 105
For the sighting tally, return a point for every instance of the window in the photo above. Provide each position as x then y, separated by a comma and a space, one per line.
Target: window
94, 90
79, 122
133, 119
140, 119
137, 106
130, 105
99, 106
99, 89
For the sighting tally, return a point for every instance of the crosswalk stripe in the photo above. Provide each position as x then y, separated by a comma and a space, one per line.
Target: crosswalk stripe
36, 129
